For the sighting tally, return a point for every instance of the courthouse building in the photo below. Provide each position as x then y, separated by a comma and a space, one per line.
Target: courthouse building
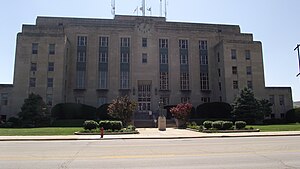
92, 61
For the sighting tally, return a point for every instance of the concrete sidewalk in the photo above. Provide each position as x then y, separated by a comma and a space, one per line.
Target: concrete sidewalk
151, 133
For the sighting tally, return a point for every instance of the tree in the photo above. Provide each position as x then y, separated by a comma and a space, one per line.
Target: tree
122, 108
34, 110
246, 106
265, 107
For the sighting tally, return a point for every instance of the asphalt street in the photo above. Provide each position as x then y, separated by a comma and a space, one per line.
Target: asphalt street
244, 152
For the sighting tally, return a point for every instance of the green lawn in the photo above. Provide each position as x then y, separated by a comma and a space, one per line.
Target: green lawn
39, 131
283, 127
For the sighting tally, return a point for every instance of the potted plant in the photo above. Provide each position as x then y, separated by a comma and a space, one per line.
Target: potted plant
181, 113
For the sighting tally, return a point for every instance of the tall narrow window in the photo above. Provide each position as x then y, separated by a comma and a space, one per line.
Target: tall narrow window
163, 43
249, 70
234, 70
32, 82
233, 54
81, 56
184, 81
183, 59
163, 59
249, 84
33, 67
102, 80
247, 55
281, 100
124, 57
203, 45
163, 81
218, 55
144, 58
203, 60
272, 99
235, 84
164, 100
204, 83
205, 99
125, 42
220, 86
103, 57
80, 79
50, 66
81, 41
185, 99
183, 44
49, 99
144, 42
219, 72
103, 41
124, 80
51, 49
50, 82
35, 47
4, 99
102, 100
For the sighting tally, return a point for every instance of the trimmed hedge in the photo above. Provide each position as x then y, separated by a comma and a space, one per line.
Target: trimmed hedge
240, 124
226, 125
90, 125
207, 124
217, 125
111, 125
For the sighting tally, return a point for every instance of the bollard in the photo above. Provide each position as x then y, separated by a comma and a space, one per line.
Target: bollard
101, 132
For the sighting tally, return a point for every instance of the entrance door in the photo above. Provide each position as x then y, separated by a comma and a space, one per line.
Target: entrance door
144, 96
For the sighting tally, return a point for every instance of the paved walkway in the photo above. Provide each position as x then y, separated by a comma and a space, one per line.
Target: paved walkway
152, 133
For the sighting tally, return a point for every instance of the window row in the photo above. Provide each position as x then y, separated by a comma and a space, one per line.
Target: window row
235, 70
280, 100
246, 54
35, 49
33, 66
235, 84
32, 82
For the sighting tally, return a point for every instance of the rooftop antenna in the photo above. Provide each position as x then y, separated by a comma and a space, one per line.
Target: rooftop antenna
160, 12
113, 7
297, 48
144, 7
165, 8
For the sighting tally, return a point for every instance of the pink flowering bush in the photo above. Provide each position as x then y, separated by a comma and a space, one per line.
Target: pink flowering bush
181, 111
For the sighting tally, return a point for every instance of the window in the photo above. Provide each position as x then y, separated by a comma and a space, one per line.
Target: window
103, 57
103, 41
272, 99
163, 59
144, 42
204, 83
33, 67
249, 84
185, 99
203, 60
81, 57
233, 54
32, 82
81, 41
249, 70
183, 44
102, 80
4, 99
184, 81
102, 100
219, 72
281, 100
49, 99
218, 55
50, 82
272, 116
164, 100
125, 42
51, 49
79, 99
220, 99
205, 99
235, 84
163, 43
234, 70
183, 59
80, 79
124, 80
144, 58
282, 115
124, 57
220, 86
50, 66
203, 45
247, 55
35, 47
163, 81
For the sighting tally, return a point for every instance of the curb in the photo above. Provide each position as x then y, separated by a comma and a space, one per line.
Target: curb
132, 138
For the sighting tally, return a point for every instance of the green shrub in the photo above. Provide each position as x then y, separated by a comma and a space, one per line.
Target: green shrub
207, 124
217, 125
90, 125
227, 125
131, 128
240, 124
112, 125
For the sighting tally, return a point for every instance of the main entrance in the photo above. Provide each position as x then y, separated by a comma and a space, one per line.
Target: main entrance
144, 96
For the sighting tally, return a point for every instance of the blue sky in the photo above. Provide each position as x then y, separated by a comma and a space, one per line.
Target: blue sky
273, 22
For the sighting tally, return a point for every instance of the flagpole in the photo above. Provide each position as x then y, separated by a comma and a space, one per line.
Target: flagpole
297, 47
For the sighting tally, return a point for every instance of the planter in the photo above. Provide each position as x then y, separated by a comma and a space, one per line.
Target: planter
180, 124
